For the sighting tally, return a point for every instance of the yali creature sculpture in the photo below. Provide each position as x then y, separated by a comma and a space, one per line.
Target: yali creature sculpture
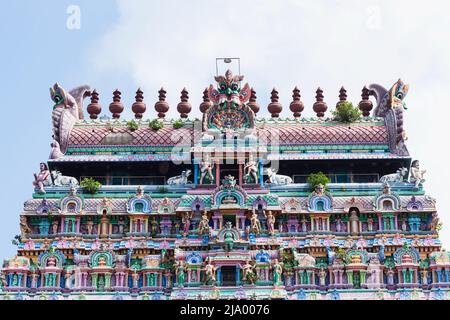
67, 110
390, 107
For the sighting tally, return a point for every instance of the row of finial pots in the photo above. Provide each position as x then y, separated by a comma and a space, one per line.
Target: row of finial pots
184, 107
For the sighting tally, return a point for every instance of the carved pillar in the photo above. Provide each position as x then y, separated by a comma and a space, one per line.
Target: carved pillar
363, 276
218, 173
195, 173
261, 173
240, 174
78, 225
380, 222
349, 277
63, 224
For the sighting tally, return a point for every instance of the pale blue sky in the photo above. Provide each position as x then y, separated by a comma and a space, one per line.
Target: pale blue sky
37, 50
130, 43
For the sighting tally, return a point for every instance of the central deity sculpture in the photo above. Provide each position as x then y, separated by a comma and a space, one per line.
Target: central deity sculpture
206, 169
210, 273
229, 101
229, 116
203, 226
251, 170
255, 224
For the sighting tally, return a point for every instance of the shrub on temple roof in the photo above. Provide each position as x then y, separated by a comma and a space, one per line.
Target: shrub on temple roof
178, 124
314, 179
90, 185
156, 124
132, 125
346, 113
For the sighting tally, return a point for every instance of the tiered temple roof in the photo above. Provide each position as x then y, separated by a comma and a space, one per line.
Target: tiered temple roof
226, 206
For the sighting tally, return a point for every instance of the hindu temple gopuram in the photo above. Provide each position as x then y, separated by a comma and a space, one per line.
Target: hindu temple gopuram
225, 207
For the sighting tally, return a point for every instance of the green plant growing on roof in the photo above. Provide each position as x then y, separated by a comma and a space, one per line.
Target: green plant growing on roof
346, 113
156, 124
178, 124
314, 179
132, 125
90, 185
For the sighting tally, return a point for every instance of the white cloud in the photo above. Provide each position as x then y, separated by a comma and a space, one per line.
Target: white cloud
287, 43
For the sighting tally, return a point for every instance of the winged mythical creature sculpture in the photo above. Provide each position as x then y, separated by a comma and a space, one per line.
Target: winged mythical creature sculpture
67, 110
390, 106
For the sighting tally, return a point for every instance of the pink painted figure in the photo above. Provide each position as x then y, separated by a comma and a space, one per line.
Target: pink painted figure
55, 227
186, 220
41, 179
90, 225
51, 262
270, 222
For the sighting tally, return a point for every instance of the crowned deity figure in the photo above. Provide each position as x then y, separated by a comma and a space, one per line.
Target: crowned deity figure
255, 224
41, 179
322, 277
68, 279
203, 226
270, 220
55, 226
304, 225
180, 272
370, 223
417, 175
251, 170
154, 226
206, 169
102, 261
90, 225
434, 222
24, 228
186, 220
210, 273
121, 224
3, 282
51, 262
248, 271
277, 269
